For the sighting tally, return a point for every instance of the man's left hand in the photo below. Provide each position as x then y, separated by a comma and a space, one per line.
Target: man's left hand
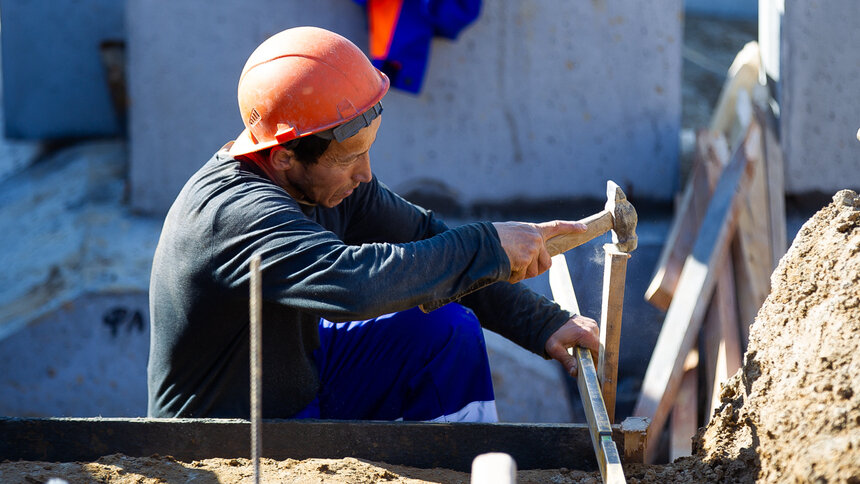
577, 331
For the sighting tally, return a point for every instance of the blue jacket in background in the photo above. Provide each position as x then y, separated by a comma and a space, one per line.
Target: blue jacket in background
401, 32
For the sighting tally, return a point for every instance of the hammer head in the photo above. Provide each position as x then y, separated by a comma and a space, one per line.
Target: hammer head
624, 218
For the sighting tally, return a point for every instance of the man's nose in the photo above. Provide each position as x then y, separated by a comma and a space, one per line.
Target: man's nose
363, 173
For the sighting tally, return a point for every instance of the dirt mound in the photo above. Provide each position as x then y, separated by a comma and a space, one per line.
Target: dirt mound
792, 413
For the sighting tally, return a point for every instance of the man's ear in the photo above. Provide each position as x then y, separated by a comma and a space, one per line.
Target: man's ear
282, 158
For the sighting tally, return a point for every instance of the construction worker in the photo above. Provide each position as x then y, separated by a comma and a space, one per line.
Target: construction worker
345, 265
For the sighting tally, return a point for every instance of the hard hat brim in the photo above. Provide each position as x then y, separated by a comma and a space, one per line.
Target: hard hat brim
244, 144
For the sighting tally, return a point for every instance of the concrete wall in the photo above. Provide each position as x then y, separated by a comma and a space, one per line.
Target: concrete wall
538, 99
54, 80
820, 95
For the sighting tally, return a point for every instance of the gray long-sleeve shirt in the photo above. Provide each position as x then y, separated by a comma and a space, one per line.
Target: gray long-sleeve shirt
372, 254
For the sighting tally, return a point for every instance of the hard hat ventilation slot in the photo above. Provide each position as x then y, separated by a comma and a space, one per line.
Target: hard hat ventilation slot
254, 117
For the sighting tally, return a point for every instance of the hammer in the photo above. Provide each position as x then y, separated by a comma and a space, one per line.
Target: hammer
617, 215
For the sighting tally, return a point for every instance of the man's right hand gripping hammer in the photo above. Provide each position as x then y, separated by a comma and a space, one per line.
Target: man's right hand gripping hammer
525, 244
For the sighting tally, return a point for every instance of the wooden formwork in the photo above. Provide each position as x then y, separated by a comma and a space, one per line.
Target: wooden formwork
416, 444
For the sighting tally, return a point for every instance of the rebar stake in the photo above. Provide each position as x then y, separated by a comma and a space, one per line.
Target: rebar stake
256, 364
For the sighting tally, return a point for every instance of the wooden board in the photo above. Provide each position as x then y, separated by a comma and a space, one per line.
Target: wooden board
614, 277
416, 444
742, 77
695, 286
562, 287
598, 420
600, 427
721, 345
708, 163
775, 174
684, 421
755, 261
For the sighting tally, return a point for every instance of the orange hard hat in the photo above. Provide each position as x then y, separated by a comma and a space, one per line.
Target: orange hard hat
306, 80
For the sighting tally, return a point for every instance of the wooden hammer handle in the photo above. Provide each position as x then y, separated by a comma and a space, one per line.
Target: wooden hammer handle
598, 224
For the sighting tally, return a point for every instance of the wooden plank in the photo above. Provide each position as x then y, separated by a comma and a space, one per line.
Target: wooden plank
600, 427
729, 352
754, 224
562, 287
721, 339
775, 174
751, 251
417, 444
684, 421
742, 77
695, 286
709, 344
614, 277
707, 165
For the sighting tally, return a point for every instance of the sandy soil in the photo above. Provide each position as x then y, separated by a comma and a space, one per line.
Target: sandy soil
790, 414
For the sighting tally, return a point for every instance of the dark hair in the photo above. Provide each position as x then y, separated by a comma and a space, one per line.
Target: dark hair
308, 149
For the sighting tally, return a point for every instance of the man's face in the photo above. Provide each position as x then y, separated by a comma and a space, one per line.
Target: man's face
339, 171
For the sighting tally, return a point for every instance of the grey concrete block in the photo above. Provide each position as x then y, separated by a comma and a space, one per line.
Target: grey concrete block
820, 92
535, 100
54, 81
86, 359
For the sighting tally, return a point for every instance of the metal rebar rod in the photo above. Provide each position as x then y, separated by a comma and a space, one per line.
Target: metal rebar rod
256, 335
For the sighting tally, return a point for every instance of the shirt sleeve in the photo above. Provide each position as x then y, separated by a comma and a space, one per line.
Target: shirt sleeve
512, 310
309, 268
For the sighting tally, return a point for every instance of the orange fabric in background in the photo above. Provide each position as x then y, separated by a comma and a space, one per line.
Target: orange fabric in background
382, 18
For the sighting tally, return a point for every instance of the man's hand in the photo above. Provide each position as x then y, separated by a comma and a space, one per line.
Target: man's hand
577, 331
524, 243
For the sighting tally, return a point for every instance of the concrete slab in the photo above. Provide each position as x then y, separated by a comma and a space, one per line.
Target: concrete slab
65, 233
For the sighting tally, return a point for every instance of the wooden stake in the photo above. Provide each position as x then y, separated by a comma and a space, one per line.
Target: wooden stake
695, 286
614, 275
635, 430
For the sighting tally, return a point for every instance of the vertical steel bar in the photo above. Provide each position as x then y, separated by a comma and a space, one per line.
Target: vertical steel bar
256, 335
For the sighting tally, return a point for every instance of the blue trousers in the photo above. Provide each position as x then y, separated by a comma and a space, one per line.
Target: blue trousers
405, 366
